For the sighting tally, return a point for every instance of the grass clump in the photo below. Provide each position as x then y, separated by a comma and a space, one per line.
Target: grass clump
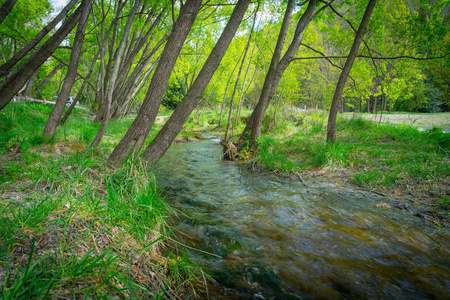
375, 156
71, 226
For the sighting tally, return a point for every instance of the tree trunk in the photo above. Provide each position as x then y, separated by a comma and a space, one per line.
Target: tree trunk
58, 109
47, 79
138, 131
18, 78
124, 94
208, 96
272, 68
80, 91
241, 95
332, 117
128, 59
243, 92
30, 83
114, 73
176, 121
6, 8
226, 90
237, 82
105, 74
375, 103
276, 72
28, 47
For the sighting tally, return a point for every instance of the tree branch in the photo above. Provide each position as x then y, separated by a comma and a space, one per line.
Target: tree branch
371, 57
67, 65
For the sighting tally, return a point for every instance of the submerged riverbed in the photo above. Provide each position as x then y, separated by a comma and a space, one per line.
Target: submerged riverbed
271, 238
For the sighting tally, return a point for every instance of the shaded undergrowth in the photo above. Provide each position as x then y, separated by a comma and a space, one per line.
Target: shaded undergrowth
71, 226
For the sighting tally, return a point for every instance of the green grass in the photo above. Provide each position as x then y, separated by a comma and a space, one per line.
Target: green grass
71, 226
378, 156
441, 120
207, 120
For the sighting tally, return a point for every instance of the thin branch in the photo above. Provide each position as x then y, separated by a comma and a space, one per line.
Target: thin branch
446, 152
333, 64
322, 8
372, 57
66, 64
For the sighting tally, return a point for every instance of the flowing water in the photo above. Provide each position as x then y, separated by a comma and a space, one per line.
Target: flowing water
276, 239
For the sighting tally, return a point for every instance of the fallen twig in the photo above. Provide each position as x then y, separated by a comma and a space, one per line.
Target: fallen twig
302, 180
446, 152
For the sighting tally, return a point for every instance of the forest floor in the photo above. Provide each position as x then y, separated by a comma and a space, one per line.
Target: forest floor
396, 167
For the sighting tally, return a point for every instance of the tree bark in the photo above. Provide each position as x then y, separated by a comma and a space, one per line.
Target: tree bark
125, 92
128, 59
274, 75
80, 91
332, 117
272, 68
105, 73
114, 74
30, 83
63, 95
138, 131
18, 78
6, 8
173, 126
225, 93
238, 77
48, 78
28, 47
243, 93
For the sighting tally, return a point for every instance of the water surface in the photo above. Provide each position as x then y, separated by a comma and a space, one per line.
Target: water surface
275, 239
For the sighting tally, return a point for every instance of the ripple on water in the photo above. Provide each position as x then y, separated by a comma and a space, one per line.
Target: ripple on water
277, 239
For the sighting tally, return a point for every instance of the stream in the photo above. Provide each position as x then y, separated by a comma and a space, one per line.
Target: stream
272, 238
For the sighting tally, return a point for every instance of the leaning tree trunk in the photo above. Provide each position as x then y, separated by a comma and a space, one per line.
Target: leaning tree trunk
275, 77
243, 89
80, 91
332, 117
138, 131
230, 112
58, 109
173, 126
18, 78
6, 8
105, 74
125, 91
225, 93
128, 59
28, 47
113, 79
48, 78
272, 68
30, 83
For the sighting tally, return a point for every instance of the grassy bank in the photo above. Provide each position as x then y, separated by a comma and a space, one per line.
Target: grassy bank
71, 227
395, 159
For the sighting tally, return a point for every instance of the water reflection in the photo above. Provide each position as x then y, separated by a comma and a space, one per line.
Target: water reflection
277, 239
